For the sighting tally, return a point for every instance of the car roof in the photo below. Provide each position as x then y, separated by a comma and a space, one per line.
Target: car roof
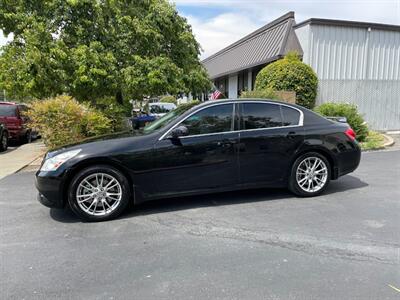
209, 102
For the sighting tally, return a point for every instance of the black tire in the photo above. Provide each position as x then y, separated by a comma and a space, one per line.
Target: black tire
294, 186
27, 138
3, 142
117, 175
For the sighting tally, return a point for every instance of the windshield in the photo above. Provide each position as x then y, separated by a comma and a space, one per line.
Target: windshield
169, 117
7, 111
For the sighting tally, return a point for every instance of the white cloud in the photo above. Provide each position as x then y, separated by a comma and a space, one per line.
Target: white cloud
216, 33
240, 17
4, 39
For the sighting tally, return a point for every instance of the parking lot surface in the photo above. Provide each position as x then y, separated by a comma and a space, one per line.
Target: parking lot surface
260, 244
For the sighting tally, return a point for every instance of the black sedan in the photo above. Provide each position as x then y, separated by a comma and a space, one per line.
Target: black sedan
213, 147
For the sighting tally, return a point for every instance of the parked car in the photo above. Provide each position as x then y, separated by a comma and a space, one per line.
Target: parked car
3, 137
159, 109
213, 147
140, 119
12, 115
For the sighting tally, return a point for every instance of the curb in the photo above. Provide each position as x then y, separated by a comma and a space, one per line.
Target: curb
389, 142
28, 164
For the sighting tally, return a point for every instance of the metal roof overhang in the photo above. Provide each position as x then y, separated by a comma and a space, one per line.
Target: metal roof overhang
267, 44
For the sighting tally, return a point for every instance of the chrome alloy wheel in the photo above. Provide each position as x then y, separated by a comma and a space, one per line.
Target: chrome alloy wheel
99, 194
312, 174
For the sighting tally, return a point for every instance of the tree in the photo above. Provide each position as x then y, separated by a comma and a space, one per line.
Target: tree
93, 49
290, 74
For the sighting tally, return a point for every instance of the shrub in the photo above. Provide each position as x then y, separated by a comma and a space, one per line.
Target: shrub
263, 94
290, 74
116, 113
349, 111
169, 99
188, 105
62, 120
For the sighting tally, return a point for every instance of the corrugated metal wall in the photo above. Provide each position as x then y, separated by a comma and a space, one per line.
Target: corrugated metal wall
358, 66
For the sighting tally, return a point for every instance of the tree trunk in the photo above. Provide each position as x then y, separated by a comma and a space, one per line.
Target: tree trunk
119, 98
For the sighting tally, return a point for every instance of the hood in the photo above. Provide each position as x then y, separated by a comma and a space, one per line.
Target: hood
102, 142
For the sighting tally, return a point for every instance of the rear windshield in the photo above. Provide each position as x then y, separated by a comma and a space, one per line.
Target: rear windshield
8, 111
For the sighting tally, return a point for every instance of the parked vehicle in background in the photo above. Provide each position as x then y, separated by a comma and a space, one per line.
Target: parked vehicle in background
215, 146
140, 119
159, 109
3, 137
12, 115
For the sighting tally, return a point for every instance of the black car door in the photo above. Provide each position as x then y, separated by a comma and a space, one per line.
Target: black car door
270, 133
206, 158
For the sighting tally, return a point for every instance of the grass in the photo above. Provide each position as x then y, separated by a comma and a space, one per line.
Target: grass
374, 141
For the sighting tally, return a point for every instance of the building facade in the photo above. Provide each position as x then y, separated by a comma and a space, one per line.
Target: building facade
355, 62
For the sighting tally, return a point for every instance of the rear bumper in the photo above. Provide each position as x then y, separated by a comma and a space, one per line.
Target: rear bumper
50, 190
349, 160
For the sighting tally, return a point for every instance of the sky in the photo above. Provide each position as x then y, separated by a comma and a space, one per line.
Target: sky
218, 23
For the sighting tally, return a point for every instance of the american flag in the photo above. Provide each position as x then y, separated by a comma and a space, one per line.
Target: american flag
215, 94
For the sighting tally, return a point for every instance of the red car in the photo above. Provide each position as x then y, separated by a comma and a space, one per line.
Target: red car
11, 114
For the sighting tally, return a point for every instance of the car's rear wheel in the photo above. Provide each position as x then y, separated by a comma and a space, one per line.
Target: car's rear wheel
310, 175
3, 142
28, 137
99, 193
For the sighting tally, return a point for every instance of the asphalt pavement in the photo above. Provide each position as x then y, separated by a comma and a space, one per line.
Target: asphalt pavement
259, 244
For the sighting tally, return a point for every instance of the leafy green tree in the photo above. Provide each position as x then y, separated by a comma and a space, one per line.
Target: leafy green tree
93, 49
290, 74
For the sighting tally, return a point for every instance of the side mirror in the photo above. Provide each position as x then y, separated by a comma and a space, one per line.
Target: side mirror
179, 131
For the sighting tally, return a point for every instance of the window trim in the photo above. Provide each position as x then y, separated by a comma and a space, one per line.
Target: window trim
301, 119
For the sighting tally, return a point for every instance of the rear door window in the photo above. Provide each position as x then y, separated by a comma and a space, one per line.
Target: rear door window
291, 116
8, 111
260, 115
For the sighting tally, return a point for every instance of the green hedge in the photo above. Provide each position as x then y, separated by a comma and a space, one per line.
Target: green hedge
63, 120
290, 74
354, 118
169, 99
259, 94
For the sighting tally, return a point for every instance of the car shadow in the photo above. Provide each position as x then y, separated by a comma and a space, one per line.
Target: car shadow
343, 184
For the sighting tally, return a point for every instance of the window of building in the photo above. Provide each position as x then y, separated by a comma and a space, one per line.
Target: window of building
210, 120
242, 82
260, 115
290, 116
222, 84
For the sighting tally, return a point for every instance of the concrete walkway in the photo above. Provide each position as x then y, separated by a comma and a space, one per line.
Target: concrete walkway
17, 158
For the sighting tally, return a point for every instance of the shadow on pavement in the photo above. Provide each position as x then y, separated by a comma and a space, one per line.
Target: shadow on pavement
344, 184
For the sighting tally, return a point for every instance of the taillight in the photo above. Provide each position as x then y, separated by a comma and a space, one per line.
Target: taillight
350, 133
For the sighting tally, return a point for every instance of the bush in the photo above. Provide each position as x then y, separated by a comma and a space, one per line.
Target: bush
290, 74
263, 94
349, 111
188, 105
115, 112
169, 99
62, 120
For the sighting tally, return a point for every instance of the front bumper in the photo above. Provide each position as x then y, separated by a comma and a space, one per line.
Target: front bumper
50, 190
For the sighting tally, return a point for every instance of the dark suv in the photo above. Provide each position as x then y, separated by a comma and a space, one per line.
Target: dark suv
11, 114
3, 137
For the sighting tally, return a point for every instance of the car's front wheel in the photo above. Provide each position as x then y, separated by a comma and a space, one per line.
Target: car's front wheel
310, 175
99, 193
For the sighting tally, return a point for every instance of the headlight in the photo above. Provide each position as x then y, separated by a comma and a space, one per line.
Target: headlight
52, 164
